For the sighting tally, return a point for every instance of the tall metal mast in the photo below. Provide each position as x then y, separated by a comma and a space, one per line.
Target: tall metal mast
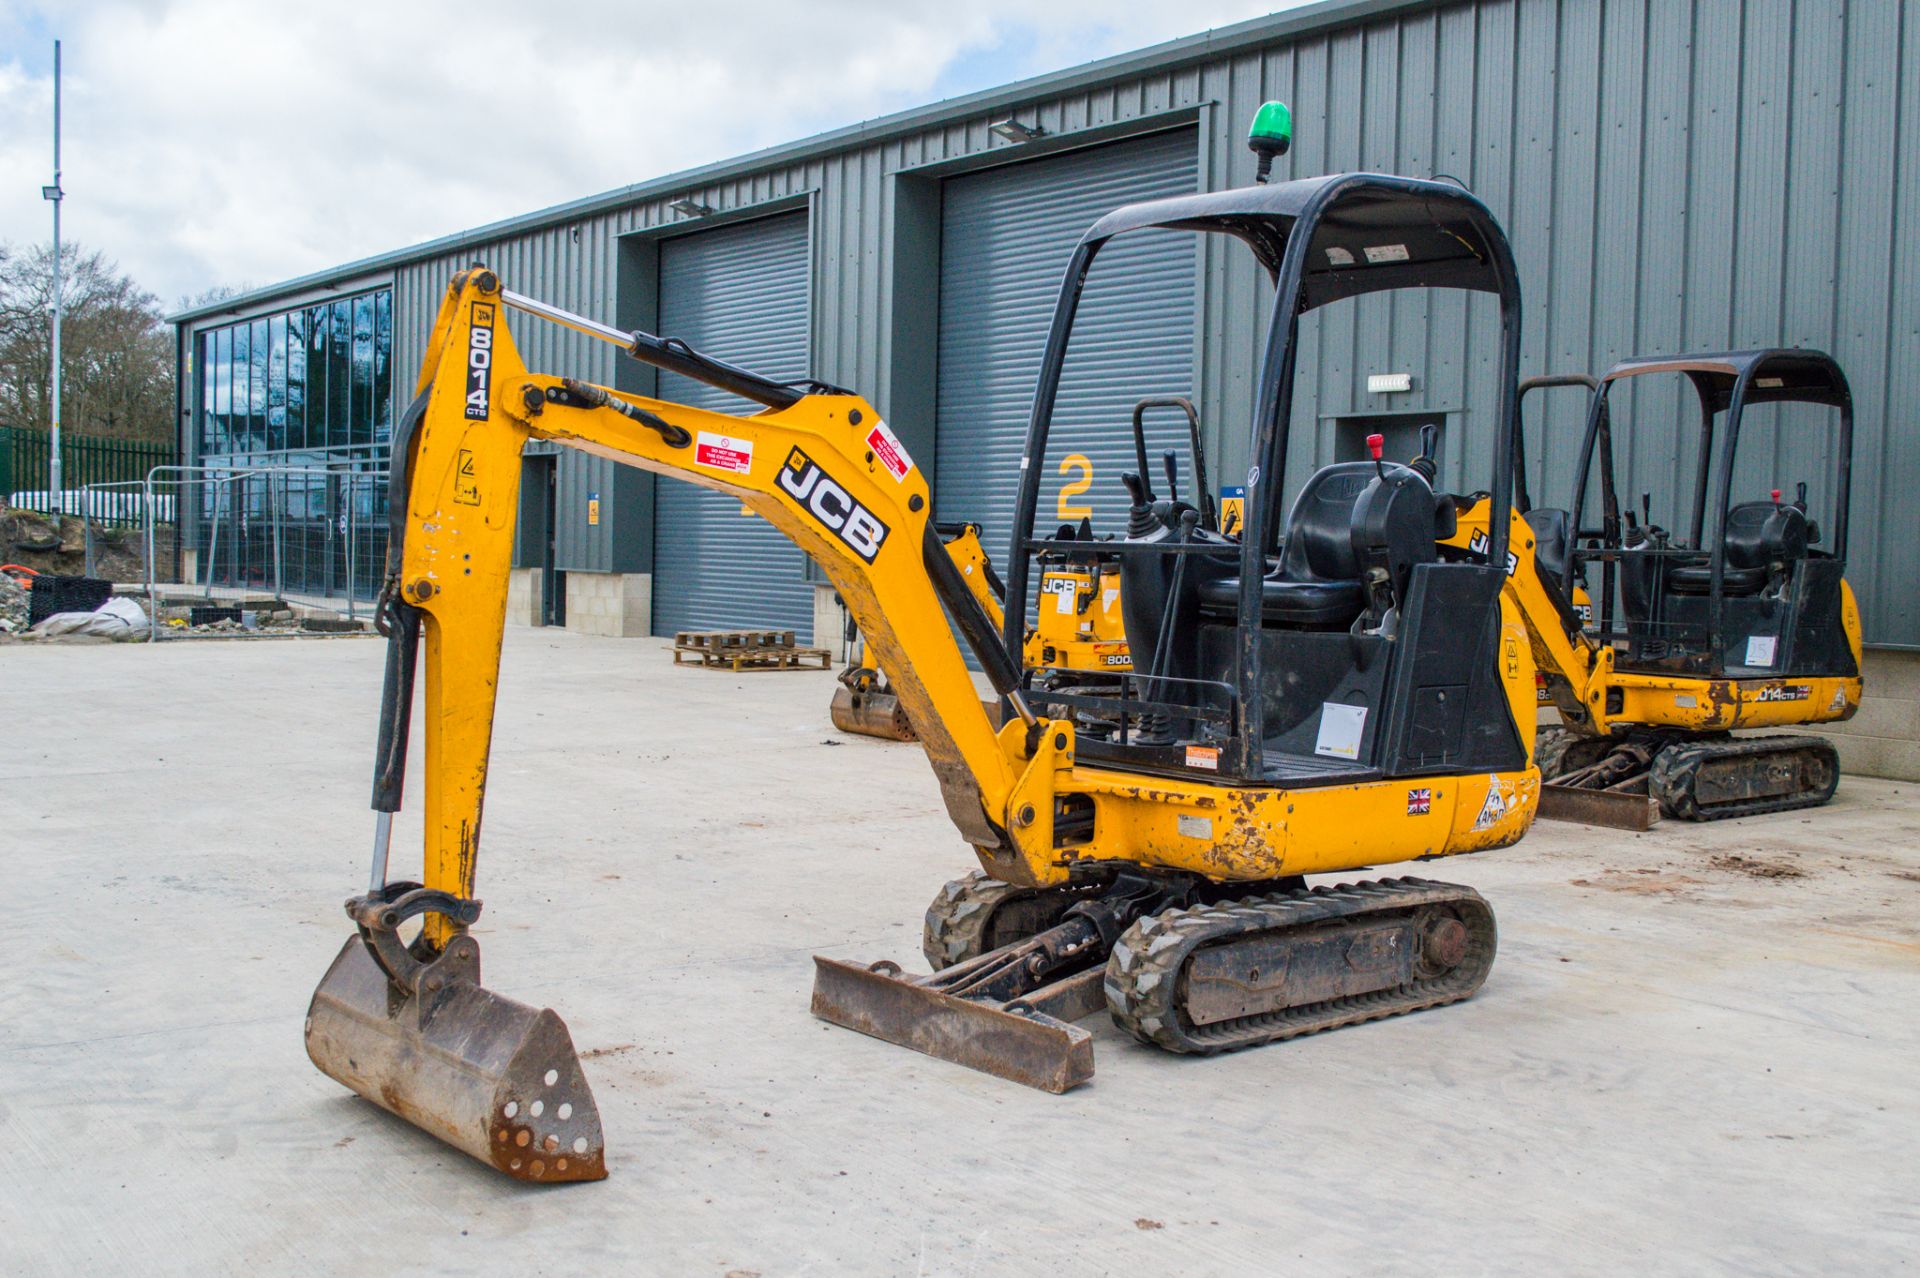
55, 194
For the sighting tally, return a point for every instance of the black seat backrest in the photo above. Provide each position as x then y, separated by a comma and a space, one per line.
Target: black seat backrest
1763, 533
1319, 541
1552, 541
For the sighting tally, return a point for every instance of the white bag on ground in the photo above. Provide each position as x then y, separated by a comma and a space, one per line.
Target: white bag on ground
115, 619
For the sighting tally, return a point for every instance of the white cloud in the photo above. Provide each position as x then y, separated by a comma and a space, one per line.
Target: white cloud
229, 141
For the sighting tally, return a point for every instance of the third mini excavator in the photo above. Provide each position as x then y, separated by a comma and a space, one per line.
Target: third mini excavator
1742, 619
1325, 693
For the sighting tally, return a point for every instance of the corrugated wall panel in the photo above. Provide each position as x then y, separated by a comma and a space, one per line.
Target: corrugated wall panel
1006, 239
1675, 173
739, 293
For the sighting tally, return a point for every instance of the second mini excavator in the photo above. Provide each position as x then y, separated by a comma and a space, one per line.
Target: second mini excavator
1324, 694
1741, 620
1079, 638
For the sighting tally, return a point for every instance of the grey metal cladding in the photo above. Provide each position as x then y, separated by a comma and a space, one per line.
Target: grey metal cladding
740, 293
1007, 236
1676, 175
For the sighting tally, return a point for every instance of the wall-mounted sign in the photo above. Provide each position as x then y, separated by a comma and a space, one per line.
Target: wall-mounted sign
593, 510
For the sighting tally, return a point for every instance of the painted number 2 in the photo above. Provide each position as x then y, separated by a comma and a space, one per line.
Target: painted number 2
1069, 511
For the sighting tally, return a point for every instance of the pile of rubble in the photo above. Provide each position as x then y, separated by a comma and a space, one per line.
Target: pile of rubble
13, 605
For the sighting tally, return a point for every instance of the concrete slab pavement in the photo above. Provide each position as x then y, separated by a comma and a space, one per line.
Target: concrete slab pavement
1696, 1052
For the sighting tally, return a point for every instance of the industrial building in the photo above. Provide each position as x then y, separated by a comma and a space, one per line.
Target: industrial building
1695, 175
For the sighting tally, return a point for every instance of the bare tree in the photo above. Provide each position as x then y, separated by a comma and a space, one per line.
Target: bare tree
116, 350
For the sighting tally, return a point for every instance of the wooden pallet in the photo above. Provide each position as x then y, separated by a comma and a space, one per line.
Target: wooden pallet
741, 650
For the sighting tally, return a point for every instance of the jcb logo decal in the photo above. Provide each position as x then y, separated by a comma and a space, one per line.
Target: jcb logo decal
479, 361
832, 505
1477, 545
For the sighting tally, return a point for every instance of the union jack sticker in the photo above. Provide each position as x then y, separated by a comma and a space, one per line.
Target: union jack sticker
1419, 802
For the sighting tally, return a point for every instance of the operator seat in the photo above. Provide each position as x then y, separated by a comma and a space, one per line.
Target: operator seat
1316, 584
1762, 537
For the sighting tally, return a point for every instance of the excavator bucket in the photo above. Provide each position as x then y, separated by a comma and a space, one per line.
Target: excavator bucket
870, 714
490, 1076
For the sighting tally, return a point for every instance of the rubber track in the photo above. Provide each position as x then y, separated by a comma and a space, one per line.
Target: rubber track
957, 923
1144, 969
1676, 770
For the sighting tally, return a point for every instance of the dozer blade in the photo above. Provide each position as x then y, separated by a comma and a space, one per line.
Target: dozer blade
1018, 1041
1614, 809
484, 1073
870, 714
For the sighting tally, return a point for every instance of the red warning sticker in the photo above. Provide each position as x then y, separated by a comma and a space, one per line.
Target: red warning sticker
723, 452
888, 449
1207, 757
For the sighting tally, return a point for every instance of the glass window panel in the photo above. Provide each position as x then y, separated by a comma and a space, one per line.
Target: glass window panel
223, 392
208, 350
362, 423
317, 377
242, 386
339, 372
383, 366
297, 379
277, 382
257, 403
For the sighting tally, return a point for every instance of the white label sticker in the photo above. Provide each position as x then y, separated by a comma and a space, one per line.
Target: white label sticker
1338, 256
890, 452
1207, 757
1340, 730
723, 452
1839, 701
1196, 827
1378, 253
1685, 700
1760, 650
1108, 598
1063, 602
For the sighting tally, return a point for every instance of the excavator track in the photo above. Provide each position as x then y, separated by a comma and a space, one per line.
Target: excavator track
977, 913
1190, 980
1713, 780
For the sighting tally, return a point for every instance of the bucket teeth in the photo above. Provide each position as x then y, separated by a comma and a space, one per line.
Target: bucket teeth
488, 1075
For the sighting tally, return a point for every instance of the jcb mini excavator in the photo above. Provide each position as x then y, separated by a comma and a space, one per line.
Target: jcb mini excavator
1079, 636
1078, 641
1695, 637
1326, 693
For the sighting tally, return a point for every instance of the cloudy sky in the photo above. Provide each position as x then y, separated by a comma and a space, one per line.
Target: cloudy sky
241, 142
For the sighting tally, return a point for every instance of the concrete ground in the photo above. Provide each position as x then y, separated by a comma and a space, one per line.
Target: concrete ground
1697, 1052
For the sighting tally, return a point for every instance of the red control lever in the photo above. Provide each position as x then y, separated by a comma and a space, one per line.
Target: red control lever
1375, 444
1776, 496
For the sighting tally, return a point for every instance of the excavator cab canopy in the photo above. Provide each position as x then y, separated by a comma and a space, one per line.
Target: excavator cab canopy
1749, 588
1256, 657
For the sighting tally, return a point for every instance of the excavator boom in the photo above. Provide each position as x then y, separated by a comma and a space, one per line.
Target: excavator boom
409, 1026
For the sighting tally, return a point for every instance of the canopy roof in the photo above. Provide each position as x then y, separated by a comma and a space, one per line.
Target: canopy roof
1370, 231
1779, 374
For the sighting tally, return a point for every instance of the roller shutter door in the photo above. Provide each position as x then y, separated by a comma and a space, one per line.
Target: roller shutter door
739, 293
1006, 236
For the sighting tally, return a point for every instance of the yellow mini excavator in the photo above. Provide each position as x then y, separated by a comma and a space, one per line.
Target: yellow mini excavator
1324, 693
1079, 636
1751, 626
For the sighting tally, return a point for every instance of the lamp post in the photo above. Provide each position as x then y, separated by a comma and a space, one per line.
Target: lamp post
55, 194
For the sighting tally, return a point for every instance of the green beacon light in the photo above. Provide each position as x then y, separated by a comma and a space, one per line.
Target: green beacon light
1270, 136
